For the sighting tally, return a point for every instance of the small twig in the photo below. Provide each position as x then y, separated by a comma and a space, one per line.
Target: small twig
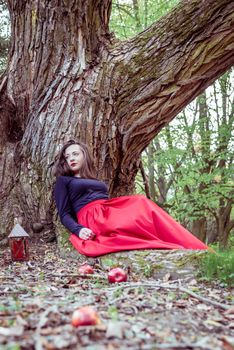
114, 301
182, 289
11, 292
78, 275
171, 346
205, 300
124, 285
49, 275
8, 317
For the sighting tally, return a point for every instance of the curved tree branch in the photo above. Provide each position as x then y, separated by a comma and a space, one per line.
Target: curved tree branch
166, 66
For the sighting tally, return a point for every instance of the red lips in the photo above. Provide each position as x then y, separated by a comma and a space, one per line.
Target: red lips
73, 164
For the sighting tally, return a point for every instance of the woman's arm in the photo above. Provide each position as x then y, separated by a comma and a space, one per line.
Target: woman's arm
64, 207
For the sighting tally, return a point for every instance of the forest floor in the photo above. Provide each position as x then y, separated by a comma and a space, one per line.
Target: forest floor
163, 305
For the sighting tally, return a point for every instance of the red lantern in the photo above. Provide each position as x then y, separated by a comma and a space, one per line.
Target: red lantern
18, 240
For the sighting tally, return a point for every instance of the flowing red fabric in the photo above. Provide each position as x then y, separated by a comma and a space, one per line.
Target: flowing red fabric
129, 223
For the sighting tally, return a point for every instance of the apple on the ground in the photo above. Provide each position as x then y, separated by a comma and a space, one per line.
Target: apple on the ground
85, 316
86, 269
117, 275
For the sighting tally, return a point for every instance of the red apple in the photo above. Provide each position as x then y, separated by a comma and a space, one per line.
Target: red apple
85, 316
86, 269
117, 275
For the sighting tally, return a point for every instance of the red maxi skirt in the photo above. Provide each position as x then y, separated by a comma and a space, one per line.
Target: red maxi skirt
129, 223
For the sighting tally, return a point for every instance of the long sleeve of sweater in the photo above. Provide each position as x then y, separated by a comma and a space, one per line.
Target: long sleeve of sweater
72, 194
64, 207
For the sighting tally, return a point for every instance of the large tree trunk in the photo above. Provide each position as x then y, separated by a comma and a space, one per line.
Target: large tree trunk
67, 77
224, 222
199, 228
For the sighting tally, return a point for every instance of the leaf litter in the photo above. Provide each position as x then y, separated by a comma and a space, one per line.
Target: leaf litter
166, 310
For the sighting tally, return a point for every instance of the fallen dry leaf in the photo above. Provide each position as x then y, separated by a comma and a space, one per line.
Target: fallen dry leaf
12, 331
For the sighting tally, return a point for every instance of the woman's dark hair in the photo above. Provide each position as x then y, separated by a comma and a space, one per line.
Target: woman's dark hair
61, 167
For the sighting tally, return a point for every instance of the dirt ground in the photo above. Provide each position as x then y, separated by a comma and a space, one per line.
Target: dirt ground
163, 305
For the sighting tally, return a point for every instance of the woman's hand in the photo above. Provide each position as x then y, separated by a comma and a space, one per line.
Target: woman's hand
86, 233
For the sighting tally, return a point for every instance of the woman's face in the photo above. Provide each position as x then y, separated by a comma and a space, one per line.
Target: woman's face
75, 158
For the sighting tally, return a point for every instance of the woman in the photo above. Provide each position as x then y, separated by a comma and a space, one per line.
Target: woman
100, 225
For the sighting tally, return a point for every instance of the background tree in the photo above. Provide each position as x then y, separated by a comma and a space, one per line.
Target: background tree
130, 17
158, 184
68, 77
193, 156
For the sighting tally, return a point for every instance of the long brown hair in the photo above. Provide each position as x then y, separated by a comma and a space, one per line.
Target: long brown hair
61, 167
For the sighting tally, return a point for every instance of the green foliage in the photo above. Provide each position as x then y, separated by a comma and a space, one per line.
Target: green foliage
118, 293
12, 347
108, 263
113, 313
172, 296
190, 164
218, 266
4, 35
148, 270
130, 17
14, 305
192, 159
191, 259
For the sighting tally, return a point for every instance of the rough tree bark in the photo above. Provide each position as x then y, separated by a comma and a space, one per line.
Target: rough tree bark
224, 223
68, 77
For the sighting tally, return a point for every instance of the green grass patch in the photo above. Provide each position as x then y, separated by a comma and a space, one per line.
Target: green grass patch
192, 259
218, 266
113, 313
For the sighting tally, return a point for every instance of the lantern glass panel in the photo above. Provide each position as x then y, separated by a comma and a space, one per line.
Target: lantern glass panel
19, 248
